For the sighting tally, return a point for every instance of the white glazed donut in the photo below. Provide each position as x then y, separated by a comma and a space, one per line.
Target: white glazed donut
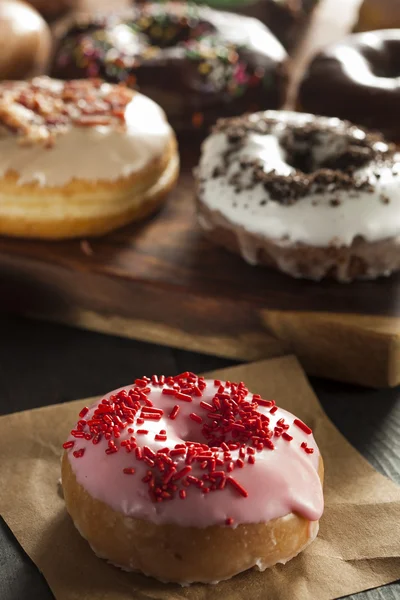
312, 196
192, 480
80, 158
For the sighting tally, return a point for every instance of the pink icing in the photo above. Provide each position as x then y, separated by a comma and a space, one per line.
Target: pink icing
281, 481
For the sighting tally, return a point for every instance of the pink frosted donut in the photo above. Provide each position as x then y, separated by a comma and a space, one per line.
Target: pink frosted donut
187, 479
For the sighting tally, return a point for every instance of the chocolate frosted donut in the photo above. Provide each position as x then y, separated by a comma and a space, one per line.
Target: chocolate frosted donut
197, 63
357, 79
311, 196
285, 18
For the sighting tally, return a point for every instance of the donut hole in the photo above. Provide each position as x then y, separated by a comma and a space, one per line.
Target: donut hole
166, 30
383, 59
309, 148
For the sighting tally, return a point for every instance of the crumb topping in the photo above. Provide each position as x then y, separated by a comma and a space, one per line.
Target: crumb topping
324, 157
39, 110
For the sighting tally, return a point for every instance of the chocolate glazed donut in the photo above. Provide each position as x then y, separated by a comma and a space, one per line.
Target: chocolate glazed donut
357, 79
197, 63
287, 19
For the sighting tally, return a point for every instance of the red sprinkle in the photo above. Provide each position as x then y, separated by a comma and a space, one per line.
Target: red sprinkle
206, 405
229, 521
265, 402
184, 397
196, 418
168, 392
79, 453
182, 494
84, 412
67, 445
151, 416
286, 436
152, 410
174, 412
182, 473
177, 452
302, 426
142, 431
273, 410
236, 485
129, 471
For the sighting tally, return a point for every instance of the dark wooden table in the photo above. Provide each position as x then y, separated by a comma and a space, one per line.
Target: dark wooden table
46, 364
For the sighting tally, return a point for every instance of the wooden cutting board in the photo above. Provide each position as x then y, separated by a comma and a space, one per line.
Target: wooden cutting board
162, 282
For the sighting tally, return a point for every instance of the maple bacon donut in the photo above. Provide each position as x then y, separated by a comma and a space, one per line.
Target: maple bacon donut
192, 480
80, 158
357, 79
195, 62
311, 196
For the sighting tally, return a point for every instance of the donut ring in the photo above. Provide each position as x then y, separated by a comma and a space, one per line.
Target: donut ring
378, 14
51, 9
197, 63
26, 41
191, 480
286, 19
80, 158
311, 196
357, 79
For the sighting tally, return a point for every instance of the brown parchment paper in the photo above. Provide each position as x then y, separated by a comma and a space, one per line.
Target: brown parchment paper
358, 546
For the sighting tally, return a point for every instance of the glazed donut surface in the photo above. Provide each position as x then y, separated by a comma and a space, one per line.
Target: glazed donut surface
195, 459
80, 157
311, 195
195, 62
25, 40
357, 79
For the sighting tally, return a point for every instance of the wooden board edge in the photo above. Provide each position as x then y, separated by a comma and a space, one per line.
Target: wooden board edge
363, 349
394, 362
245, 347
370, 355
369, 346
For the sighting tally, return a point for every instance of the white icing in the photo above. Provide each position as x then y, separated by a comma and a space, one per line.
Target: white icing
312, 220
91, 153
